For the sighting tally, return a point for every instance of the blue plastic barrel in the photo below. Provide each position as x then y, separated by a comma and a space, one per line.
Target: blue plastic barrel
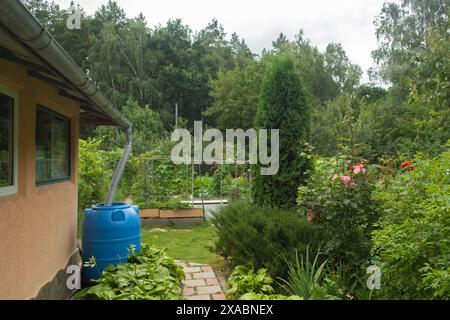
108, 232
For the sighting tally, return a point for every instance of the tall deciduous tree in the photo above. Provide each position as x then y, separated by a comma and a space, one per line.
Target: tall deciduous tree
283, 106
235, 94
317, 79
338, 65
401, 31
147, 129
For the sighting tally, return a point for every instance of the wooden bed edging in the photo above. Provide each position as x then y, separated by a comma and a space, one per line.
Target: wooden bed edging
169, 213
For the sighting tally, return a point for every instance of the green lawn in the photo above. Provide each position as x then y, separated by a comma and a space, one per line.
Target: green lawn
191, 244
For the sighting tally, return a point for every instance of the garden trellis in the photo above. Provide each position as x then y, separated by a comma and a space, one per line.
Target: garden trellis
165, 184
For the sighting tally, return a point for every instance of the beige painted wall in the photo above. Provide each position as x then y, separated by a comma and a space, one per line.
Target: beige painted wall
38, 225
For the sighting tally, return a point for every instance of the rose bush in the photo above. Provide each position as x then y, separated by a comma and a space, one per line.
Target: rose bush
338, 199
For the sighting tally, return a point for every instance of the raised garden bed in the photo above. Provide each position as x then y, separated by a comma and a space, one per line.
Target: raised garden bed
181, 213
149, 213
171, 213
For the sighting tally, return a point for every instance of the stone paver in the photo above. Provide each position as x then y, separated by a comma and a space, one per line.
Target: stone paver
193, 264
207, 269
203, 275
194, 283
212, 282
201, 283
199, 297
219, 296
208, 289
187, 292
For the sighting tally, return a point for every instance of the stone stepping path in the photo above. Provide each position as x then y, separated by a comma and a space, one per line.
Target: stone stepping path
201, 283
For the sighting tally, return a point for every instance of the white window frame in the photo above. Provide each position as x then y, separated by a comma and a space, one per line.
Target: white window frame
9, 190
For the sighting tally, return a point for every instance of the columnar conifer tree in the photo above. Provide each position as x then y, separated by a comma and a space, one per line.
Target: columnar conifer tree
283, 105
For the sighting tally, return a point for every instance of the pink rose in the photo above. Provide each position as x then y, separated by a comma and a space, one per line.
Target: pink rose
311, 216
346, 179
359, 168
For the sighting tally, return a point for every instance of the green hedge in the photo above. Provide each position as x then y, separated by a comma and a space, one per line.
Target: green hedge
262, 237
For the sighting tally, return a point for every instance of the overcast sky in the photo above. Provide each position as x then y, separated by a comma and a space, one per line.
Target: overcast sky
349, 22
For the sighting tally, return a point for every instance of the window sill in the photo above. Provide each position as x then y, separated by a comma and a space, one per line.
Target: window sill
52, 182
8, 191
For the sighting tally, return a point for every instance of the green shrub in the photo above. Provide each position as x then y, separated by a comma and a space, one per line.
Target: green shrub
93, 174
412, 244
147, 275
251, 235
338, 200
283, 106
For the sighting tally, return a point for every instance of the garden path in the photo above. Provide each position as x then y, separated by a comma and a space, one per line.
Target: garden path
201, 282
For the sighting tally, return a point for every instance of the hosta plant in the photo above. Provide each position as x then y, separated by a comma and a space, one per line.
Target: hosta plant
147, 275
244, 280
246, 284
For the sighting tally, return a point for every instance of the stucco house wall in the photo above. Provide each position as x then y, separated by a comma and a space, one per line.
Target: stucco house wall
38, 224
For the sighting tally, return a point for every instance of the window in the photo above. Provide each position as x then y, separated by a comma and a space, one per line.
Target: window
52, 147
8, 142
7, 157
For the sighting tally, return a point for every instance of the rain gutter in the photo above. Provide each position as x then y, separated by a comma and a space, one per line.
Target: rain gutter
19, 21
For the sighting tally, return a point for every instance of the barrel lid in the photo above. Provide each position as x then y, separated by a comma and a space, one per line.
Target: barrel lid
115, 205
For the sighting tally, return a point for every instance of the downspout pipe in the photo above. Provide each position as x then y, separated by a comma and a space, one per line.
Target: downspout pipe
19, 21
120, 168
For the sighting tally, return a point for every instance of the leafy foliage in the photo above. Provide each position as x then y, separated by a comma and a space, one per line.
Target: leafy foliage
148, 275
147, 129
93, 177
160, 183
412, 243
96, 167
244, 279
224, 182
235, 96
338, 200
400, 31
306, 278
339, 66
246, 284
